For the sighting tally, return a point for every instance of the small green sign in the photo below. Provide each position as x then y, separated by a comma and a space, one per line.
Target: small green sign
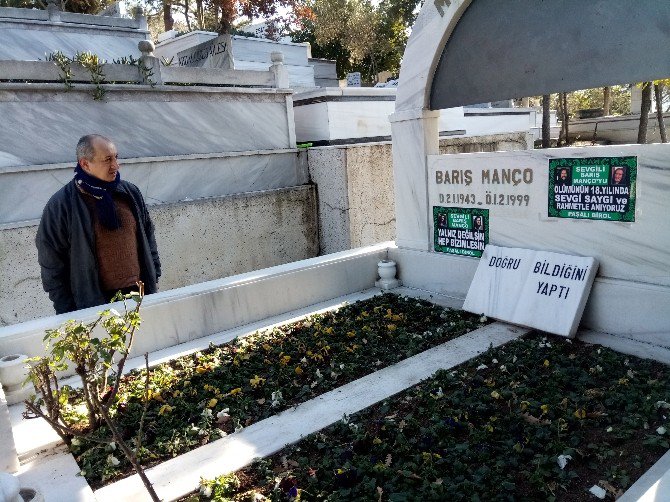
459, 230
594, 188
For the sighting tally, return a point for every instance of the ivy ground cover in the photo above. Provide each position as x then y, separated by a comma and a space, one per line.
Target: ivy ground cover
198, 398
536, 419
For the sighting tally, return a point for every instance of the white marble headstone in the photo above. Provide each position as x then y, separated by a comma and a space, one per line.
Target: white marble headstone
216, 53
538, 289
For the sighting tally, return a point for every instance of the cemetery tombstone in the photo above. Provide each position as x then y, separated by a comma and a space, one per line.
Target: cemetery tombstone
538, 289
354, 79
216, 53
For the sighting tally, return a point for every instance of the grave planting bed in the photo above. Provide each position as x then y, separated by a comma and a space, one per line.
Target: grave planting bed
196, 399
535, 419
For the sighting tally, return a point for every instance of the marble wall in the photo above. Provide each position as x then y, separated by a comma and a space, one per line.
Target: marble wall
41, 123
28, 35
632, 289
355, 186
198, 241
25, 191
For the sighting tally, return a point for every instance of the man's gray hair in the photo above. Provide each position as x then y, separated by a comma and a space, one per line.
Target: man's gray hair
85, 149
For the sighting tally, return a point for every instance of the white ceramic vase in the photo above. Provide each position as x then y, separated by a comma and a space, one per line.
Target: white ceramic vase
387, 270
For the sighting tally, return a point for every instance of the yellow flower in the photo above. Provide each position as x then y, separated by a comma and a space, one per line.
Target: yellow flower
580, 413
329, 331
235, 391
267, 347
351, 334
165, 409
391, 327
285, 360
201, 369
376, 441
546, 363
495, 395
256, 381
298, 370
544, 408
212, 402
524, 405
177, 393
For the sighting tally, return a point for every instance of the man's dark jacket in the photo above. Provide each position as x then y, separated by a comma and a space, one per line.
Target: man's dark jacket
66, 249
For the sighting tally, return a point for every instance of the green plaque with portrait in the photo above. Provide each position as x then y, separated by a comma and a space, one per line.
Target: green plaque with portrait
593, 188
459, 230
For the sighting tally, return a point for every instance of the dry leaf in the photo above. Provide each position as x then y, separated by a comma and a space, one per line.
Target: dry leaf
614, 491
388, 460
533, 420
260, 401
409, 474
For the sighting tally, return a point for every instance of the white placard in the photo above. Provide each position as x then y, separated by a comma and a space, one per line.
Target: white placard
538, 289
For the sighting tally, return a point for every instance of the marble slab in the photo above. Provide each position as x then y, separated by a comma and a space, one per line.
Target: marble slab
31, 42
25, 192
538, 289
514, 187
41, 123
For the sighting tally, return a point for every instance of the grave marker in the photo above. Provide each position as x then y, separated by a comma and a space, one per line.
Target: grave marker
215, 53
538, 289
354, 79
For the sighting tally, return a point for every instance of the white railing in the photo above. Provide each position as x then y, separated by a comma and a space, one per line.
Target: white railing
149, 70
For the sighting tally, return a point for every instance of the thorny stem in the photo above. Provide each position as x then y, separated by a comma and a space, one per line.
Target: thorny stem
138, 441
128, 453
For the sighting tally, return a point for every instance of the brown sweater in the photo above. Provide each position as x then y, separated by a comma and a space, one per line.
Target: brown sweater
116, 250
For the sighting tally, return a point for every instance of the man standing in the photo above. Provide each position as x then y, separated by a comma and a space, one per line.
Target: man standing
95, 236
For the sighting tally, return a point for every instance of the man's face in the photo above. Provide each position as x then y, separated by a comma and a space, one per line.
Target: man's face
103, 165
618, 175
564, 174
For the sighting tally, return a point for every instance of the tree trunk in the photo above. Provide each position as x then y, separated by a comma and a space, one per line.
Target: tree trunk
644, 113
607, 99
228, 14
546, 128
559, 114
658, 94
564, 124
186, 15
168, 20
199, 14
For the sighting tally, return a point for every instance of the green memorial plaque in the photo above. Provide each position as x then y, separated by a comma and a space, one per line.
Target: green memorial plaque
593, 188
459, 230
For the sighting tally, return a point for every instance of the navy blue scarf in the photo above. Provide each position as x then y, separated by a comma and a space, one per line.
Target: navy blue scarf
101, 191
